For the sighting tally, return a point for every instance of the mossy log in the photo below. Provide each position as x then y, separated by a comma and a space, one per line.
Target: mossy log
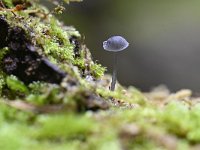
54, 96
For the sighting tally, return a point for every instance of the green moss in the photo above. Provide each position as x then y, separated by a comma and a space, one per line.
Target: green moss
2, 81
97, 70
50, 116
8, 3
48, 95
187, 126
72, 127
3, 52
68, 1
63, 51
80, 63
16, 85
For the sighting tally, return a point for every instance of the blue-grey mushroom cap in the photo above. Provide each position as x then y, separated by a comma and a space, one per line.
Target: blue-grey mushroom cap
115, 44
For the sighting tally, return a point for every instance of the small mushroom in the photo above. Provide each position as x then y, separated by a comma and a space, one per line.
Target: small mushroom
115, 44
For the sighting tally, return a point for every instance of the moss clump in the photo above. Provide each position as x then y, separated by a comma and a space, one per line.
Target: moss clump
15, 85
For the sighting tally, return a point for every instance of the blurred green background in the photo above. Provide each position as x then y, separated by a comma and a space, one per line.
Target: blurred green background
164, 39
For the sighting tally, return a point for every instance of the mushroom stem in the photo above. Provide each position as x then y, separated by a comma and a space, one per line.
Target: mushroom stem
114, 75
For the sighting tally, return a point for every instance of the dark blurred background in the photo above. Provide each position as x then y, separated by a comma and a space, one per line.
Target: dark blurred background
164, 39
